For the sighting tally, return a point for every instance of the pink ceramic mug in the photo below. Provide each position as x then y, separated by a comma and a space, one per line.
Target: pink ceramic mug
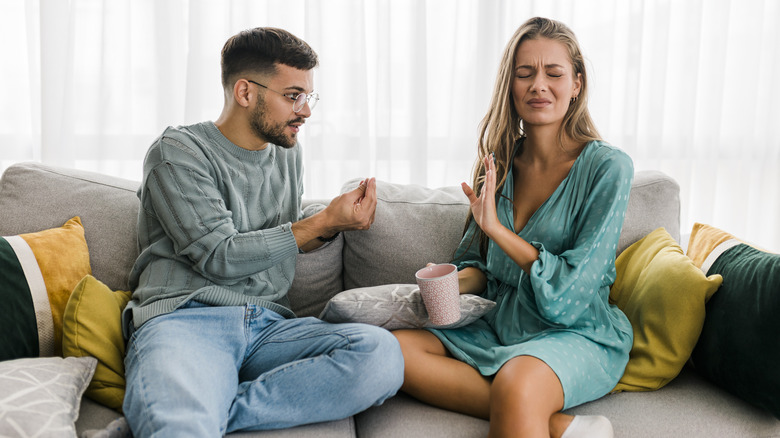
440, 293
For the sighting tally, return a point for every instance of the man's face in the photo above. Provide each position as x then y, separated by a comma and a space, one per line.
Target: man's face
273, 119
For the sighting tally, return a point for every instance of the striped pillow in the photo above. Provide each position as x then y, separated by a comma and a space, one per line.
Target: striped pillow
737, 349
38, 272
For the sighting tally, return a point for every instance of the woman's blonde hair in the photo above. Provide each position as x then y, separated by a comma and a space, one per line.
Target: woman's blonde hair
502, 127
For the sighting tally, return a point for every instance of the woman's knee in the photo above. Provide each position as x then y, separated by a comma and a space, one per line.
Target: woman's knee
528, 381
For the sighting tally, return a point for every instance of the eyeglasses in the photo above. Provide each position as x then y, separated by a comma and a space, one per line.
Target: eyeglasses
299, 99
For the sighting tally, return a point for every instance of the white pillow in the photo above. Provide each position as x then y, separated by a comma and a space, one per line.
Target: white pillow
396, 306
41, 396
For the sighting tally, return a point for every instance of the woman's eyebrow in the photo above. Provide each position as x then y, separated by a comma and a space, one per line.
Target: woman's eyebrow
546, 66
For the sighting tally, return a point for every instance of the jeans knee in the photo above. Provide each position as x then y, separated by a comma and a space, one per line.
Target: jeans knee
386, 362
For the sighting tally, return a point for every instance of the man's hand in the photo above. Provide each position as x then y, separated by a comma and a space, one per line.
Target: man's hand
353, 210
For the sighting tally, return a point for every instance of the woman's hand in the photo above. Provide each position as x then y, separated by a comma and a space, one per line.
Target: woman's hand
483, 207
470, 280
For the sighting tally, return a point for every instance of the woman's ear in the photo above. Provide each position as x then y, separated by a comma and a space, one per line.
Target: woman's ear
577, 85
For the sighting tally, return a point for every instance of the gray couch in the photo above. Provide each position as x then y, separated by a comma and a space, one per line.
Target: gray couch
414, 225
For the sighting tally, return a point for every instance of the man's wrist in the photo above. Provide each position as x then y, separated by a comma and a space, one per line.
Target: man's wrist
329, 239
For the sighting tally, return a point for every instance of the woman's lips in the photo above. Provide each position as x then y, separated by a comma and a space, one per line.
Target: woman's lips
538, 103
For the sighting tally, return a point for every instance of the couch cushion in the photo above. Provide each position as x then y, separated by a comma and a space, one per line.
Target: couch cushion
687, 407
317, 273
317, 278
654, 202
94, 417
416, 225
402, 416
413, 226
35, 196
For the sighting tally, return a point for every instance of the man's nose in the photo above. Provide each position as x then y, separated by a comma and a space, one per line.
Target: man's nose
305, 112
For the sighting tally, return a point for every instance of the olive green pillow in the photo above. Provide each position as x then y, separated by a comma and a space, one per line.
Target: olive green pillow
663, 294
92, 327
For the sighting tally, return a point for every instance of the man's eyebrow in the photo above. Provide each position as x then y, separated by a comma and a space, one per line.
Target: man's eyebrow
295, 88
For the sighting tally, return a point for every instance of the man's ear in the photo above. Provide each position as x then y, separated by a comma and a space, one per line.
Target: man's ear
242, 93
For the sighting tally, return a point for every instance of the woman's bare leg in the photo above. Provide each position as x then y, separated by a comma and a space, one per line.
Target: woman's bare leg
432, 375
525, 400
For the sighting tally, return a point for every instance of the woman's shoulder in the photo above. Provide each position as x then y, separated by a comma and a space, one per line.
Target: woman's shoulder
600, 154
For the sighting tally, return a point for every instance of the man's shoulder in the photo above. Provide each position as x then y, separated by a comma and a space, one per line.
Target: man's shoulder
181, 141
188, 134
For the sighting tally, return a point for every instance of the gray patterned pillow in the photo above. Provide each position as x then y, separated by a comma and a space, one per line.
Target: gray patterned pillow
396, 306
41, 396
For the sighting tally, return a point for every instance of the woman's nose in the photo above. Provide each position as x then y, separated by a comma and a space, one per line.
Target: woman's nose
539, 84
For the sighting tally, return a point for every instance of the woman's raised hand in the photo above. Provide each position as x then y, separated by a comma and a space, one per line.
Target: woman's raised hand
483, 207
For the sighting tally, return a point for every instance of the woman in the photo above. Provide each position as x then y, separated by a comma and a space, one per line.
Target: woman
545, 256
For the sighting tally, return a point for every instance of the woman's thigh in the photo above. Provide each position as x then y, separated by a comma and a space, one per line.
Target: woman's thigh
432, 375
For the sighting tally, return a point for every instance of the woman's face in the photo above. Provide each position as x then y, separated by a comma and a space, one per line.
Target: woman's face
544, 82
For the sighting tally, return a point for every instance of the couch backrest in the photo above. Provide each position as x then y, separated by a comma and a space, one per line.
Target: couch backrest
35, 197
416, 225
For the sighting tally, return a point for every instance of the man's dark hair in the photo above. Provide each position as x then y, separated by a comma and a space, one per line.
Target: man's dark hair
257, 50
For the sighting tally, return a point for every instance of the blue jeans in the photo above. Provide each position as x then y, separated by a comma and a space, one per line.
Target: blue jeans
208, 371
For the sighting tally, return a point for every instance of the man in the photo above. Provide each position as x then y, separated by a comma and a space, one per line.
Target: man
213, 346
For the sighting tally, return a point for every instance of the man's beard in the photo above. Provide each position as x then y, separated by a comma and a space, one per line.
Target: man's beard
270, 132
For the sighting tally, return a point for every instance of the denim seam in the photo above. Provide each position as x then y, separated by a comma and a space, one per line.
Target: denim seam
149, 410
283, 341
289, 366
298, 362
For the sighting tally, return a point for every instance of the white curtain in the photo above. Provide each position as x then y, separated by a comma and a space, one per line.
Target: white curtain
688, 87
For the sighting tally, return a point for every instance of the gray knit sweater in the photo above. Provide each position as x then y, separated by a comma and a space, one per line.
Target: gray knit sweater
214, 224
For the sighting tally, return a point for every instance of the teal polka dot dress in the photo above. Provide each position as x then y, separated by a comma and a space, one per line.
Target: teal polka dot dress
559, 312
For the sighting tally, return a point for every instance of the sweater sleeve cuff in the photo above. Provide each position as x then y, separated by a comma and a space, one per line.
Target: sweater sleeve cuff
280, 242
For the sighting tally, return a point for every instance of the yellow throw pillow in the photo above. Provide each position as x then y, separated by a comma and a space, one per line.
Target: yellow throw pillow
38, 271
663, 294
92, 327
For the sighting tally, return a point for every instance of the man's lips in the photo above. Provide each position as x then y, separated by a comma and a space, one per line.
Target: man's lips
295, 125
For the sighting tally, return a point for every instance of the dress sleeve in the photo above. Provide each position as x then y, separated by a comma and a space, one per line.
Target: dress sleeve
187, 203
467, 255
565, 284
